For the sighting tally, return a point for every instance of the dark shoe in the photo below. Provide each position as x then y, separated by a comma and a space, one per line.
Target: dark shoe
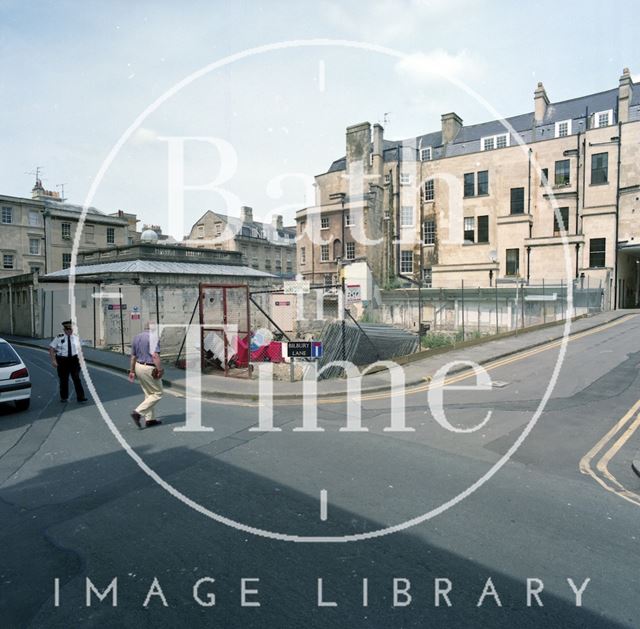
152, 422
82, 399
64, 401
136, 418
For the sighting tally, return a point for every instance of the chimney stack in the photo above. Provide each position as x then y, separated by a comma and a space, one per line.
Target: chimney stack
377, 160
358, 145
276, 221
246, 214
451, 125
625, 91
541, 102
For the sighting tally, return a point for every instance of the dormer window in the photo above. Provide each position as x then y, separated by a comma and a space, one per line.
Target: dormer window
563, 128
491, 142
602, 118
426, 154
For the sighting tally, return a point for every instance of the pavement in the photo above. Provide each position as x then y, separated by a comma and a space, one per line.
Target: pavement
215, 387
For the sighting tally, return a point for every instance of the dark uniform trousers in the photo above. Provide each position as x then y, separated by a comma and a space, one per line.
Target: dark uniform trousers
69, 366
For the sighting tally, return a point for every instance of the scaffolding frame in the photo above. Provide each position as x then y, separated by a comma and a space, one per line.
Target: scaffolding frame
222, 328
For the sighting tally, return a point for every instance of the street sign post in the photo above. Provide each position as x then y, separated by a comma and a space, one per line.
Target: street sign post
296, 287
304, 349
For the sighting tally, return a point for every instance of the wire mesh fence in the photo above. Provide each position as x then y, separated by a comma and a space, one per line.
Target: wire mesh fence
448, 315
111, 317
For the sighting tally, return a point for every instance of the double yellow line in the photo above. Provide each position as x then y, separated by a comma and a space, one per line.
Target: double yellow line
495, 364
419, 388
623, 429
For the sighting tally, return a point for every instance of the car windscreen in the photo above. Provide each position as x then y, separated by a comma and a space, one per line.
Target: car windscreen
8, 355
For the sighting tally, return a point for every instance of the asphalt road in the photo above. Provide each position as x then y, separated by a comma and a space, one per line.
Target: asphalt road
75, 505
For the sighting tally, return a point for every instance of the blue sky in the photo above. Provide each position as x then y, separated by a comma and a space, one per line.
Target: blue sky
75, 75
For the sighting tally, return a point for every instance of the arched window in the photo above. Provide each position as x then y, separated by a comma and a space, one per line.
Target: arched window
337, 249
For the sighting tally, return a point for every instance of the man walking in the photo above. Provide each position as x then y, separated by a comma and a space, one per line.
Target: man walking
145, 364
63, 351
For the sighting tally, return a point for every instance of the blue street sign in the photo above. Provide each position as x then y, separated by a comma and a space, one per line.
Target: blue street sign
304, 349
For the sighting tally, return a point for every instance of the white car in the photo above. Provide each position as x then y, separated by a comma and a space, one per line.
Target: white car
15, 383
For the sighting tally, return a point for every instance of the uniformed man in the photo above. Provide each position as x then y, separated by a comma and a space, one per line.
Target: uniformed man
64, 357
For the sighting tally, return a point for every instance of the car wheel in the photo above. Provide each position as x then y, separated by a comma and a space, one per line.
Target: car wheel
23, 405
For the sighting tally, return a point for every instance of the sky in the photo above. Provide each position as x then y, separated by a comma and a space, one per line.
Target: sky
283, 81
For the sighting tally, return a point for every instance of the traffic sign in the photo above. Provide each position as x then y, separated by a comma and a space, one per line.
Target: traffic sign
353, 293
294, 287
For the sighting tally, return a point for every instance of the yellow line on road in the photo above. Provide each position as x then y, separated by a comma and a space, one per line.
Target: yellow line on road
606, 479
488, 366
383, 395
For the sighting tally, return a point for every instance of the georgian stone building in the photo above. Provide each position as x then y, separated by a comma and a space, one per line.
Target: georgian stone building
37, 234
553, 194
264, 246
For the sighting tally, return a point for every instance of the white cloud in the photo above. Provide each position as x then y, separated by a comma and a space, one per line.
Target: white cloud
438, 65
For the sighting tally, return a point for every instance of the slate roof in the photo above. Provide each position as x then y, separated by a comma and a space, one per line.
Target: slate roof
282, 237
468, 139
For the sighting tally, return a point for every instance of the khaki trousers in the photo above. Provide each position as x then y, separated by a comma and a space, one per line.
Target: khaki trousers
152, 391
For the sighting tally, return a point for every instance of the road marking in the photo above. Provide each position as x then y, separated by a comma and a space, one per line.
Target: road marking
605, 478
323, 505
488, 366
341, 398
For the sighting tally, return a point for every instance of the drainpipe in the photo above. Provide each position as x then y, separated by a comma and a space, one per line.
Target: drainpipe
528, 264
398, 269
11, 307
577, 186
529, 191
615, 244
584, 170
397, 195
312, 252
45, 215
577, 258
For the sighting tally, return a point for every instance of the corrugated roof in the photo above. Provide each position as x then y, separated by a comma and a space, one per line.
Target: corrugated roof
160, 266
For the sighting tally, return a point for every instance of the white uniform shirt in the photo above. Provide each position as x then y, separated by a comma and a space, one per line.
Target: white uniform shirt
61, 344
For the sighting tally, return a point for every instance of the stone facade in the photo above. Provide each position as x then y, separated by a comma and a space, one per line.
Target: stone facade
478, 203
37, 234
266, 247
